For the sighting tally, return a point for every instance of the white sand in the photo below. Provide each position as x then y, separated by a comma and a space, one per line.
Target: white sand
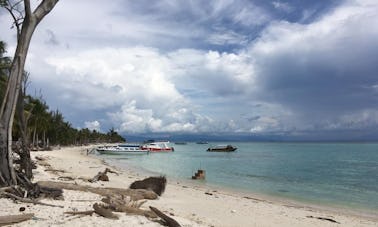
186, 203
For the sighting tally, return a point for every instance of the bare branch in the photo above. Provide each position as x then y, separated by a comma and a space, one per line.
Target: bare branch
16, 20
27, 8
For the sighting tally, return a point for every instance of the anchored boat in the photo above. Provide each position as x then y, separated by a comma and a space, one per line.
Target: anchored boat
157, 147
222, 148
122, 149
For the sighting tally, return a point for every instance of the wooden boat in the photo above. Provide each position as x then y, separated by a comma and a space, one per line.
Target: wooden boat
122, 149
222, 148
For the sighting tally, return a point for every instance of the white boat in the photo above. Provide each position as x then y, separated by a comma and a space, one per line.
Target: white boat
122, 149
158, 147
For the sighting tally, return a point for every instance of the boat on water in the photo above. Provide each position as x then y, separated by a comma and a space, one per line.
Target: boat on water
122, 149
202, 142
222, 148
157, 147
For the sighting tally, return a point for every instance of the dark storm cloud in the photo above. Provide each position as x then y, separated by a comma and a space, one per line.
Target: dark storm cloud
325, 73
337, 76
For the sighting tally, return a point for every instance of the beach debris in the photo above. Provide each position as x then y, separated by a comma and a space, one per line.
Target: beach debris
55, 171
12, 219
125, 204
101, 176
155, 184
82, 213
66, 178
199, 175
208, 193
104, 211
168, 221
324, 219
255, 199
135, 194
25, 200
117, 203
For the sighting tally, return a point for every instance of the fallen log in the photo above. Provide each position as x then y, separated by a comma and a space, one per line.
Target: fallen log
168, 220
12, 219
135, 194
26, 200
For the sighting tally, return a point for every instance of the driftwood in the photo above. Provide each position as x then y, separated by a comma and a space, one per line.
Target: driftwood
12, 219
101, 176
87, 212
66, 178
29, 192
55, 171
116, 203
155, 184
135, 194
324, 219
26, 200
167, 220
105, 212
122, 204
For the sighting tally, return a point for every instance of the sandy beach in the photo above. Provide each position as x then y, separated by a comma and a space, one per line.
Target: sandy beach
188, 204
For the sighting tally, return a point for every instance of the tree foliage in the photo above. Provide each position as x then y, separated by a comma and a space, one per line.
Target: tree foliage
48, 128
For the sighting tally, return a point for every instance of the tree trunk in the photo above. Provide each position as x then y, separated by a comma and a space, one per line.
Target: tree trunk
34, 132
37, 139
5, 169
8, 107
26, 165
44, 139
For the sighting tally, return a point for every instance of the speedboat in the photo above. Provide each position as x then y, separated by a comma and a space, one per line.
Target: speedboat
157, 147
222, 148
122, 149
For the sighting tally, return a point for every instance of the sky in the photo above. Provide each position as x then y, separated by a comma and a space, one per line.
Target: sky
298, 69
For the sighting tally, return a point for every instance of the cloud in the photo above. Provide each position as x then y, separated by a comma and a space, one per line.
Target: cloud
214, 66
284, 6
93, 125
52, 40
150, 91
322, 70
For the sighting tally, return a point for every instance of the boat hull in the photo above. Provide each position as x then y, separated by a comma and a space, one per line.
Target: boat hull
151, 149
122, 149
157, 147
117, 152
222, 148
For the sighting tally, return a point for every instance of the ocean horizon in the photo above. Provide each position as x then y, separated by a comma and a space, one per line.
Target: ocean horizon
342, 174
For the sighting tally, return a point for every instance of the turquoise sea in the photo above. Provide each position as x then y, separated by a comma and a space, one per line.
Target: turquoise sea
339, 174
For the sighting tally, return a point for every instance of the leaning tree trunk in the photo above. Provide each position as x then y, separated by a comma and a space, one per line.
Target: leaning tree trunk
7, 111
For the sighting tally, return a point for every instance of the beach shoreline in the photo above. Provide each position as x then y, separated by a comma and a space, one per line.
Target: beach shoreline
243, 193
190, 204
